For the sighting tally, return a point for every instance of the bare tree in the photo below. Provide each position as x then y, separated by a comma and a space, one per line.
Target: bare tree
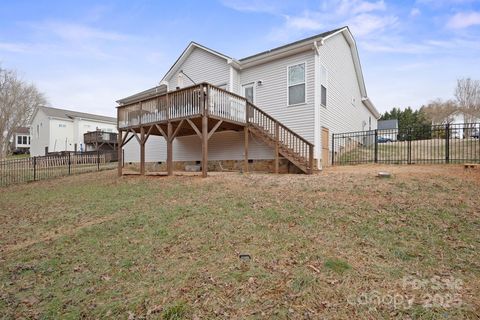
18, 100
467, 93
439, 111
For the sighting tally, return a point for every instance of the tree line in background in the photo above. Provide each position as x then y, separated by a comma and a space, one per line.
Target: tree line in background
466, 102
18, 100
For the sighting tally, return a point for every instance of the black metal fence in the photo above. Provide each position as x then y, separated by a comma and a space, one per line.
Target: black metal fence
22, 170
450, 143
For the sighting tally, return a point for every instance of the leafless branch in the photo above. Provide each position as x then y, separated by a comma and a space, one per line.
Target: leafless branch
18, 101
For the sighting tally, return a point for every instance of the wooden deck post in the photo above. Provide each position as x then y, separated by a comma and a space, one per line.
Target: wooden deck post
204, 146
119, 152
277, 142
169, 149
310, 159
245, 163
142, 151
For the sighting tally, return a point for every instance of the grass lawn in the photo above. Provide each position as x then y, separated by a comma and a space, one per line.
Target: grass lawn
17, 156
342, 244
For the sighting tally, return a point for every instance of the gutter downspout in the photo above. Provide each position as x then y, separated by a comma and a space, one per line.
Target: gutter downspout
317, 139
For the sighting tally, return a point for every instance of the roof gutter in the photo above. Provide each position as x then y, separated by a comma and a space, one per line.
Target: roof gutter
141, 95
370, 106
276, 54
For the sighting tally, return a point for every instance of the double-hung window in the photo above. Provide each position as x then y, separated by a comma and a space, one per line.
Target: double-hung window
296, 84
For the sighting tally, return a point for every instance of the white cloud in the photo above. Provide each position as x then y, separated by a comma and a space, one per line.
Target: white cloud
303, 23
364, 17
251, 6
13, 47
78, 32
463, 20
357, 7
415, 12
366, 24
382, 46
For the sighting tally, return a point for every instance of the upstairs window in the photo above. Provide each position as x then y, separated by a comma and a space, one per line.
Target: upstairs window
324, 95
323, 86
296, 84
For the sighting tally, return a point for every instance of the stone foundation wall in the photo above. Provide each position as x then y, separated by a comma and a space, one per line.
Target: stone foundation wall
267, 165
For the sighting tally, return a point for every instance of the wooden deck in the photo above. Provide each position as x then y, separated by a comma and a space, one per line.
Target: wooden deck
98, 139
203, 110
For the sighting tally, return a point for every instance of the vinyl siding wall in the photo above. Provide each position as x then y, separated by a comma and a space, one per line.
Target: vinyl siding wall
40, 133
271, 95
61, 135
202, 66
234, 85
342, 114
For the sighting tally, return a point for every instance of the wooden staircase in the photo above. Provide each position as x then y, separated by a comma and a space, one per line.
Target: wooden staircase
284, 141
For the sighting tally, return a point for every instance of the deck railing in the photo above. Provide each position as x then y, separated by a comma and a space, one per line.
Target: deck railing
184, 103
277, 131
99, 137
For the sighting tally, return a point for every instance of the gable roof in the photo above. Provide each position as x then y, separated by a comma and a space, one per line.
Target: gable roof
191, 46
70, 115
288, 45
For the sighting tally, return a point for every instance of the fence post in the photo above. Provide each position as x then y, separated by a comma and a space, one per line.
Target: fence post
409, 145
69, 163
34, 168
376, 146
447, 143
333, 149
98, 160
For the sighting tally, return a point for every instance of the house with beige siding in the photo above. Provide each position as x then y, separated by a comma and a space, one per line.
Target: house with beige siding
278, 107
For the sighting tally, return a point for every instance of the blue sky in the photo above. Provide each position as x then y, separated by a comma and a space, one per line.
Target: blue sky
84, 55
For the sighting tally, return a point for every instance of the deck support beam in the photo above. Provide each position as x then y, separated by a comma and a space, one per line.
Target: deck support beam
204, 146
245, 147
119, 153
169, 149
142, 151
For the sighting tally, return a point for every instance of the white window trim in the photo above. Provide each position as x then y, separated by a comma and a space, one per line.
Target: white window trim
253, 85
325, 84
305, 82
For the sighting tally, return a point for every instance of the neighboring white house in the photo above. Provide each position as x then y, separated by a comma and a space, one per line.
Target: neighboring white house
388, 129
20, 139
463, 124
314, 86
55, 130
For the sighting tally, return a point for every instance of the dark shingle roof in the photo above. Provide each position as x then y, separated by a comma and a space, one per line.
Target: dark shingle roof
320, 35
22, 130
69, 114
387, 124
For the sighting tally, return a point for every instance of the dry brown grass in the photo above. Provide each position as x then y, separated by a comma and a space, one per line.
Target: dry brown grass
97, 246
